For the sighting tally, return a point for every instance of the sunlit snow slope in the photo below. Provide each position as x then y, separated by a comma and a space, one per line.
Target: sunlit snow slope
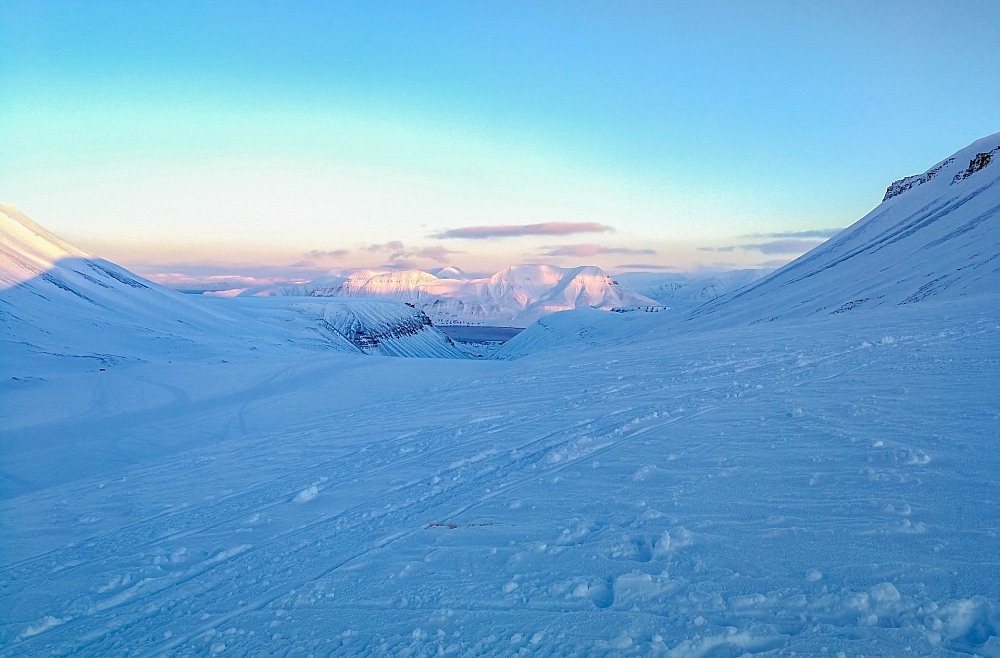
515, 296
57, 299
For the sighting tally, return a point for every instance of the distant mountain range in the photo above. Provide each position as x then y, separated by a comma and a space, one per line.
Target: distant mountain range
515, 296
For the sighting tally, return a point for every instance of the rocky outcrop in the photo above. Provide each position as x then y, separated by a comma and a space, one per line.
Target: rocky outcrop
979, 162
904, 184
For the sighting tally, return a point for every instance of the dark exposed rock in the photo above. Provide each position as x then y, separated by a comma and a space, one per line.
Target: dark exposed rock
977, 163
904, 184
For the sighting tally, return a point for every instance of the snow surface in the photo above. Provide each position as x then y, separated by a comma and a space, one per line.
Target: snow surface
516, 296
684, 291
635, 483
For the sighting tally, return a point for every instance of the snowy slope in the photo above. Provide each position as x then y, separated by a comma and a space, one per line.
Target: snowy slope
57, 299
515, 296
936, 235
810, 486
382, 327
685, 291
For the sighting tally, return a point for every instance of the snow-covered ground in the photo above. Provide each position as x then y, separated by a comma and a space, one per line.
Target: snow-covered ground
636, 483
798, 487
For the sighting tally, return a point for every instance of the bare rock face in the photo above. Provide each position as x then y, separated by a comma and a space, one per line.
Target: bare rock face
904, 184
369, 335
979, 162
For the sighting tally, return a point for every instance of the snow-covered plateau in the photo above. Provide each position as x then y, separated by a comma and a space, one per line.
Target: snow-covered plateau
807, 464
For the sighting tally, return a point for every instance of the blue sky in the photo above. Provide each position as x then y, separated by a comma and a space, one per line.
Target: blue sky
265, 136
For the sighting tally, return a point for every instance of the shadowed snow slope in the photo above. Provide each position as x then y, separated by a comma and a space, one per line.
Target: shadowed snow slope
55, 298
935, 237
684, 291
515, 296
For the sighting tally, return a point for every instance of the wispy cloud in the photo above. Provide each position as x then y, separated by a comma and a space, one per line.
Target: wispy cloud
514, 230
586, 250
436, 254
324, 255
645, 266
782, 246
216, 281
401, 257
815, 233
394, 245
771, 247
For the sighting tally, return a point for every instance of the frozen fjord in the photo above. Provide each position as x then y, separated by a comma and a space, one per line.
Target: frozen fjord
820, 483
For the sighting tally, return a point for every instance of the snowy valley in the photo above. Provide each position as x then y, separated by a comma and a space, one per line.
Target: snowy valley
753, 464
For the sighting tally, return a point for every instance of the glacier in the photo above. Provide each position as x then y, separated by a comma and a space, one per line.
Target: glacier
773, 469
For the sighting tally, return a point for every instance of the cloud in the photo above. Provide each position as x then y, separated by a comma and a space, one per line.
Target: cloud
815, 233
183, 280
323, 255
644, 266
394, 245
401, 257
586, 250
771, 247
436, 254
782, 246
513, 230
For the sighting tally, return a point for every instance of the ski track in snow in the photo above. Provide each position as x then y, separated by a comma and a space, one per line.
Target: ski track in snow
748, 491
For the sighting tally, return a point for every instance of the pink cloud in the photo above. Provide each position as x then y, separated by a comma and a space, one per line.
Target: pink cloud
586, 250
513, 230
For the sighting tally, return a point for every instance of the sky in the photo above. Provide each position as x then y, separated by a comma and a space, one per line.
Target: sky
282, 139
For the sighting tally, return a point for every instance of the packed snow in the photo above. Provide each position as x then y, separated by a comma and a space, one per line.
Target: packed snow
765, 474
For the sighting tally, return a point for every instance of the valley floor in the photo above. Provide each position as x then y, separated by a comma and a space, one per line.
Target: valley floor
808, 488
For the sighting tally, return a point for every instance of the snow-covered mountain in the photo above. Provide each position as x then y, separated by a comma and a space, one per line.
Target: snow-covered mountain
515, 296
935, 236
58, 299
684, 291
